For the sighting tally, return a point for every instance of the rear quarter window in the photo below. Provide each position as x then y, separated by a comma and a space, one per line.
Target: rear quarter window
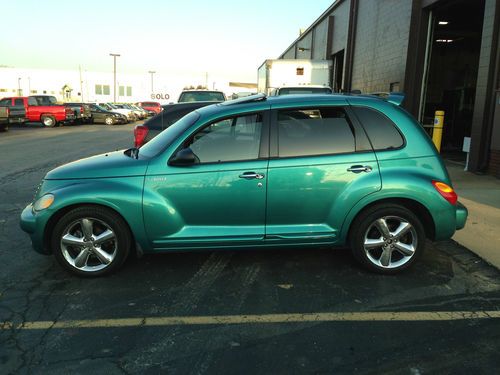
382, 132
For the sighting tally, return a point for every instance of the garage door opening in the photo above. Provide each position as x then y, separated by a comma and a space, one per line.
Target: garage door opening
451, 72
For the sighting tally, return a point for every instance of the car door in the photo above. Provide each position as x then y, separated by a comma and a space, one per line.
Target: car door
321, 165
220, 200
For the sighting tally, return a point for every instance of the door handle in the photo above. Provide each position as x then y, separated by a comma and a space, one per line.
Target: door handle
251, 176
359, 168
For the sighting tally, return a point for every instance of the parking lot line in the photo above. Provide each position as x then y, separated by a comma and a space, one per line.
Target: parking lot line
400, 316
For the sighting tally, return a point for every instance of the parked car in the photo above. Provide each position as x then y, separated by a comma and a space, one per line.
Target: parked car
201, 96
278, 172
113, 108
44, 109
169, 115
4, 118
137, 114
150, 106
11, 112
301, 90
103, 116
145, 113
83, 114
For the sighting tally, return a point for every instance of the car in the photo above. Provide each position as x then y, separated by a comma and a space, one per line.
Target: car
12, 111
139, 115
101, 115
169, 115
82, 111
301, 90
150, 106
201, 96
257, 172
40, 108
131, 117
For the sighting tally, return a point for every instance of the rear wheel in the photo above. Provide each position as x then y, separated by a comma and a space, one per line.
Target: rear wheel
387, 238
91, 241
48, 121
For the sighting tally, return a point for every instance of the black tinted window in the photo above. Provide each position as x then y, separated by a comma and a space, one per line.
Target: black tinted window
231, 139
318, 131
5, 102
19, 102
382, 132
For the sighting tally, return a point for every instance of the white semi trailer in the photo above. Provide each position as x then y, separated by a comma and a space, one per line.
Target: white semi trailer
274, 75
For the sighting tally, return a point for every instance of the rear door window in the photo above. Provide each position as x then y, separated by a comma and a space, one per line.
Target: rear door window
317, 131
382, 132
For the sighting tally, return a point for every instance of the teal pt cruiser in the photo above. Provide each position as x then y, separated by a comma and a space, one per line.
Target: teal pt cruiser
257, 172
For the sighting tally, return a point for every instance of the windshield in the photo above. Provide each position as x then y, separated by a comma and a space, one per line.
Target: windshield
304, 90
169, 135
202, 96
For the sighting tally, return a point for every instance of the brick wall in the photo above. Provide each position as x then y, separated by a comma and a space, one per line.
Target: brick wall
494, 163
381, 44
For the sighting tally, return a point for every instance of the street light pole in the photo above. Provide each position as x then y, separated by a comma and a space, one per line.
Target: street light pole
115, 55
152, 72
19, 86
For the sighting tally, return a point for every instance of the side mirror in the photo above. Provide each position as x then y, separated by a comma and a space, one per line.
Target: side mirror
184, 157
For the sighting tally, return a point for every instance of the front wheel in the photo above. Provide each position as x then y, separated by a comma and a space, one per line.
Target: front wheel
387, 238
91, 241
108, 120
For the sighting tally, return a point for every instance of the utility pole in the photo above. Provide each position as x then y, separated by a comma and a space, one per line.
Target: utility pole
152, 87
206, 80
19, 86
81, 82
115, 55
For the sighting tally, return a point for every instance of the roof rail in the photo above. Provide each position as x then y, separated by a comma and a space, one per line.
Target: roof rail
247, 99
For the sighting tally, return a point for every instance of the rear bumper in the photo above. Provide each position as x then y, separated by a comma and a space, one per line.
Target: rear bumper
461, 215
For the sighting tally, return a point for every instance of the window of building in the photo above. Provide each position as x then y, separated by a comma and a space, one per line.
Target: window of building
98, 89
315, 131
34, 91
300, 71
121, 91
231, 139
381, 130
105, 89
3, 90
129, 90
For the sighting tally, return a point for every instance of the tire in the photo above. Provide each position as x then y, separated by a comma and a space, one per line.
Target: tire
4, 128
77, 247
108, 120
48, 121
387, 239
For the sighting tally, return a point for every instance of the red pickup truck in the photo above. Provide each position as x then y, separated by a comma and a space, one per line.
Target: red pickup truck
42, 109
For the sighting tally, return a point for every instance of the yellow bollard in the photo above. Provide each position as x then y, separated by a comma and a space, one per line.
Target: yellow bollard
437, 132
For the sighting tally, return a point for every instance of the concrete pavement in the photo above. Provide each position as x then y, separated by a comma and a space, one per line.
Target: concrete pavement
481, 195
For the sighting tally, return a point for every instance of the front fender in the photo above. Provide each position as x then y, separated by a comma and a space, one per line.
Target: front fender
123, 195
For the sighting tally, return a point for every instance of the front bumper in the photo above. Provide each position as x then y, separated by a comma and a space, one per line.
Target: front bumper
461, 215
34, 225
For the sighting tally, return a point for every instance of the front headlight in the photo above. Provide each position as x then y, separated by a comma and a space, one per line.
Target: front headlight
43, 202
118, 115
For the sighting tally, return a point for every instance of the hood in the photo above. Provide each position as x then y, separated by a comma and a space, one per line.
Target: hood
112, 164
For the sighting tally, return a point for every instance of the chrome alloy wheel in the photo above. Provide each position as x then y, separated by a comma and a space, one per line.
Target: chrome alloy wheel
89, 245
390, 242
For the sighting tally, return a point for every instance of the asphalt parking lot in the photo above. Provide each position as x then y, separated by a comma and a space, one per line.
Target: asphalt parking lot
274, 312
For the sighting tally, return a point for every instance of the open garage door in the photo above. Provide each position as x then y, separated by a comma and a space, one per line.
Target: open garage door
451, 70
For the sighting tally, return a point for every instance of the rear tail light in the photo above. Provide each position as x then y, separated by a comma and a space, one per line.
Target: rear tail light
140, 133
8, 111
446, 191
